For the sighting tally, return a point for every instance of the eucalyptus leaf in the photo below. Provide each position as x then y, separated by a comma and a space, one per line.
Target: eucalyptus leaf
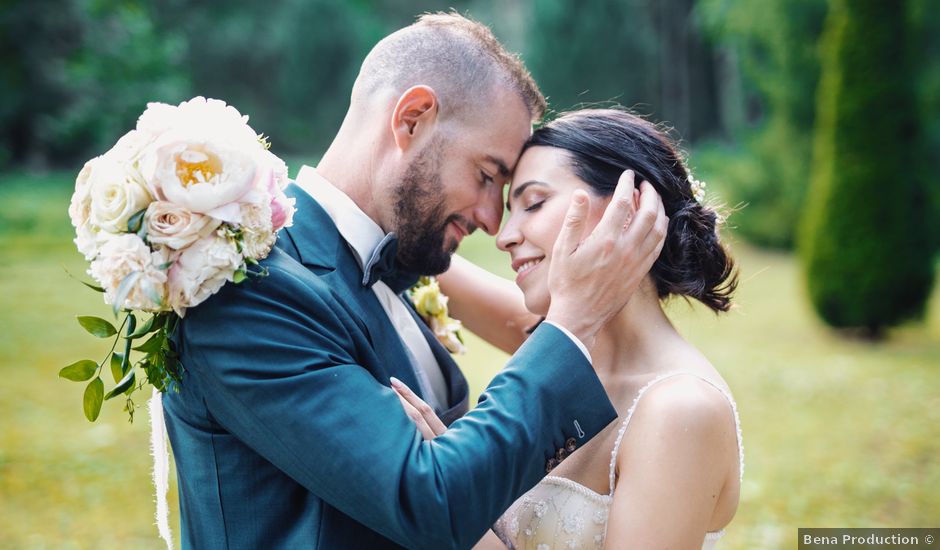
135, 222
153, 295
97, 326
79, 371
117, 366
94, 397
122, 386
94, 287
127, 284
142, 329
153, 344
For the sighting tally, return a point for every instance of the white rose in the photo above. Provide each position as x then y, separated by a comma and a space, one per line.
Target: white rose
122, 255
174, 226
200, 271
116, 194
201, 176
80, 214
258, 234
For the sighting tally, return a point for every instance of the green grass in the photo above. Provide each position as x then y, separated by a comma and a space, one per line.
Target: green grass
836, 432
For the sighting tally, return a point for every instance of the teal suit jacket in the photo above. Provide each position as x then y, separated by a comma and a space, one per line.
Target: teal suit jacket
286, 435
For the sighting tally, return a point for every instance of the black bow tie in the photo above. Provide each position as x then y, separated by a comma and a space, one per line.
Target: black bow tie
382, 266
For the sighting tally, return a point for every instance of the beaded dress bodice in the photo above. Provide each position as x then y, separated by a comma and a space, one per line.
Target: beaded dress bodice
560, 513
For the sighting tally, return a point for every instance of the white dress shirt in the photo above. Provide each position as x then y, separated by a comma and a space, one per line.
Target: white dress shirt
363, 235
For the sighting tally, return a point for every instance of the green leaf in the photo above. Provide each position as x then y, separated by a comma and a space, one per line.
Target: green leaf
122, 386
239, 276
123, 290
96, 288
135, 222
79, 371
117, 366
152, 345
97, 326
142, 329
94, 397
151, 293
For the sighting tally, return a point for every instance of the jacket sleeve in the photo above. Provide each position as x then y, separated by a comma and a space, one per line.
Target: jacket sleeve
277, 368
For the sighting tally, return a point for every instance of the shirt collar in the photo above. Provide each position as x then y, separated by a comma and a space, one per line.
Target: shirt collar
358, 230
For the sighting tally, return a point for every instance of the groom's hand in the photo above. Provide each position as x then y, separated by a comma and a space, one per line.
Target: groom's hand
592, 277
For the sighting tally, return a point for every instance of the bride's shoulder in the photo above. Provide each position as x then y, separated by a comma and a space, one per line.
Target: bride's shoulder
681, 413
684, 400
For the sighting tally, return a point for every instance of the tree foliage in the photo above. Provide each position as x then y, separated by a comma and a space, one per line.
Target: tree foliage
769, 111
864, 240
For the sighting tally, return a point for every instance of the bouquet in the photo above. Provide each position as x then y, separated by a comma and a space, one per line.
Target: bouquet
187, 201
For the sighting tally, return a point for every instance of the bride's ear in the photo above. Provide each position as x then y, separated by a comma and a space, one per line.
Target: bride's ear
414, 116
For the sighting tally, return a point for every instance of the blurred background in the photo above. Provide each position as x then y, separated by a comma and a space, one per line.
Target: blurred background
816, 122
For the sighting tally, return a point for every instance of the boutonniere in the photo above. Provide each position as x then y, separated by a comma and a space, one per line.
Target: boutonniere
431, 305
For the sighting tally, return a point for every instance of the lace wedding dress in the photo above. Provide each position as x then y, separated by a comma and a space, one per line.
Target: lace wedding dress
559, 513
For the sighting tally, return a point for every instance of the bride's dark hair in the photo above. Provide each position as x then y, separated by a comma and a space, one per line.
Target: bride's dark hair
601, 144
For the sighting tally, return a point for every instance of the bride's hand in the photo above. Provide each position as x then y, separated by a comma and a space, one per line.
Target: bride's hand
418, 411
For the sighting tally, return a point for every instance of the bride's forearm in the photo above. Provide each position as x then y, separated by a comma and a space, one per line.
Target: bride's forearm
488, 305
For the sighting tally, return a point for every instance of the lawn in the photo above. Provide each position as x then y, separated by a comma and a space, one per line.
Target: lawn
836, 432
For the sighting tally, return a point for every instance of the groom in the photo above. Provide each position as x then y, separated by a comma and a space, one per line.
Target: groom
284, 429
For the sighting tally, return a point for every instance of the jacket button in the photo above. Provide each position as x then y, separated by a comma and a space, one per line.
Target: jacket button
561, 454
550, 465
571, 445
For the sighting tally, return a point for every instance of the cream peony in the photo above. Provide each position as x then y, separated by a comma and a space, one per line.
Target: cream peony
122, 255
200, 271
200, 119
198, 175
116, 194
174, 226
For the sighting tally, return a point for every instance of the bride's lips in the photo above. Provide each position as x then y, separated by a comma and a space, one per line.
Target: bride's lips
524, 266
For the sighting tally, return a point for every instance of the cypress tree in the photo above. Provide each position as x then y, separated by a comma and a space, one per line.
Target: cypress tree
864, 239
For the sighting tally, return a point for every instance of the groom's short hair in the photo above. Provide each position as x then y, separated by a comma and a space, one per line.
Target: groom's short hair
458, 57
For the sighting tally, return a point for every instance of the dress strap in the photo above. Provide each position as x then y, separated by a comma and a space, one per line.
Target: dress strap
636, 400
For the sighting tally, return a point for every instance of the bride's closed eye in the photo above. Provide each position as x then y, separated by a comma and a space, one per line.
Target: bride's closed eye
535, 206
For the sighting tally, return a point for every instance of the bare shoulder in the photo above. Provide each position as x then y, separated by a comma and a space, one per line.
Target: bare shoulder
682, 413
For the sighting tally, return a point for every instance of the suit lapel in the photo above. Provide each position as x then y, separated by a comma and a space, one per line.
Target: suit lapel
314, 241
457, 389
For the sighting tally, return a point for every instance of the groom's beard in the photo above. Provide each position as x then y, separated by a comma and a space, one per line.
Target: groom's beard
420, 211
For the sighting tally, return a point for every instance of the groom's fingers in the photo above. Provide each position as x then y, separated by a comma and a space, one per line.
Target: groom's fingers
648, 231
620, 212
573, 229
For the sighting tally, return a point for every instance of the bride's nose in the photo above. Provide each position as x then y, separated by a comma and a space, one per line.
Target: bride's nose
509, 236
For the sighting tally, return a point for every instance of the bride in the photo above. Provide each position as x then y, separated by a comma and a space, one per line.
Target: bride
667, 473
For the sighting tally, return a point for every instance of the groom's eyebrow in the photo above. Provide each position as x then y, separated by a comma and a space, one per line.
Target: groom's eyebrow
500, 165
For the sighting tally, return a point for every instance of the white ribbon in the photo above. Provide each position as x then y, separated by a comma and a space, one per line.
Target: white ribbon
161, 465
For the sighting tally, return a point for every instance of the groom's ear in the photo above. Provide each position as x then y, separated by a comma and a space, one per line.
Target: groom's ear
414, 115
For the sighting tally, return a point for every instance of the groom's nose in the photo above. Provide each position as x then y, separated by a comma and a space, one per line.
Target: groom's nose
489, 210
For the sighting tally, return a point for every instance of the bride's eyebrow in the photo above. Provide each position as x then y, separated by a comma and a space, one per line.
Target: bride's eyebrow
520, 189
